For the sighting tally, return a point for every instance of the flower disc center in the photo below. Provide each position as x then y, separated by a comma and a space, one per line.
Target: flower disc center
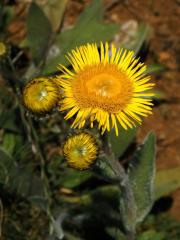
39, 92
79, 152
104, 85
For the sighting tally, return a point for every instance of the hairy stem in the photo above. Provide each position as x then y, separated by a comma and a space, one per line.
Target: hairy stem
127, 194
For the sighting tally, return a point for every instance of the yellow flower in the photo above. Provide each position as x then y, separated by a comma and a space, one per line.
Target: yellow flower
4, 50
40, 95
107, 86
80, 151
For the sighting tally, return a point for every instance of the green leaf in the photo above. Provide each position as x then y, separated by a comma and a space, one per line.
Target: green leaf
109, 193
104, 170
93, 12
21, 179
151, 234
121, 142
8, 120
159, 95
6, 161
9, 142
73, 178
88, 28
54, 10
6, 15
5, 157
143, 35
167, 181
70, 236
115, 233
141, 174
39, 32
39, 201
18, 177
22, 150
26, 183
155, 68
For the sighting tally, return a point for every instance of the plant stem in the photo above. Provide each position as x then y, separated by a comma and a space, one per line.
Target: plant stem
44, 178
127, 193
130, 236
33, 139
1, 217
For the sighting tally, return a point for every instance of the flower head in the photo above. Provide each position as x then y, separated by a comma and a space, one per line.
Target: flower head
40, 95
80, 150
4, 50
107, 86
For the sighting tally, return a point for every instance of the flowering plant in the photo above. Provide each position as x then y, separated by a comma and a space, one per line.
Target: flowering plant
77, 100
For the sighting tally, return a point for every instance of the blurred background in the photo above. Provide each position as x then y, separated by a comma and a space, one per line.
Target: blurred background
149, 27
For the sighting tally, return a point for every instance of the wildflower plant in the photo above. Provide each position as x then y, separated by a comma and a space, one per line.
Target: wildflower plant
109, 87
96, 95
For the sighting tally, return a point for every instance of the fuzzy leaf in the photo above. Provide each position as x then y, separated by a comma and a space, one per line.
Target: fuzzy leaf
73, 178
122, 142
88, 28
39, 32
104, 170
115, 233
142, 175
